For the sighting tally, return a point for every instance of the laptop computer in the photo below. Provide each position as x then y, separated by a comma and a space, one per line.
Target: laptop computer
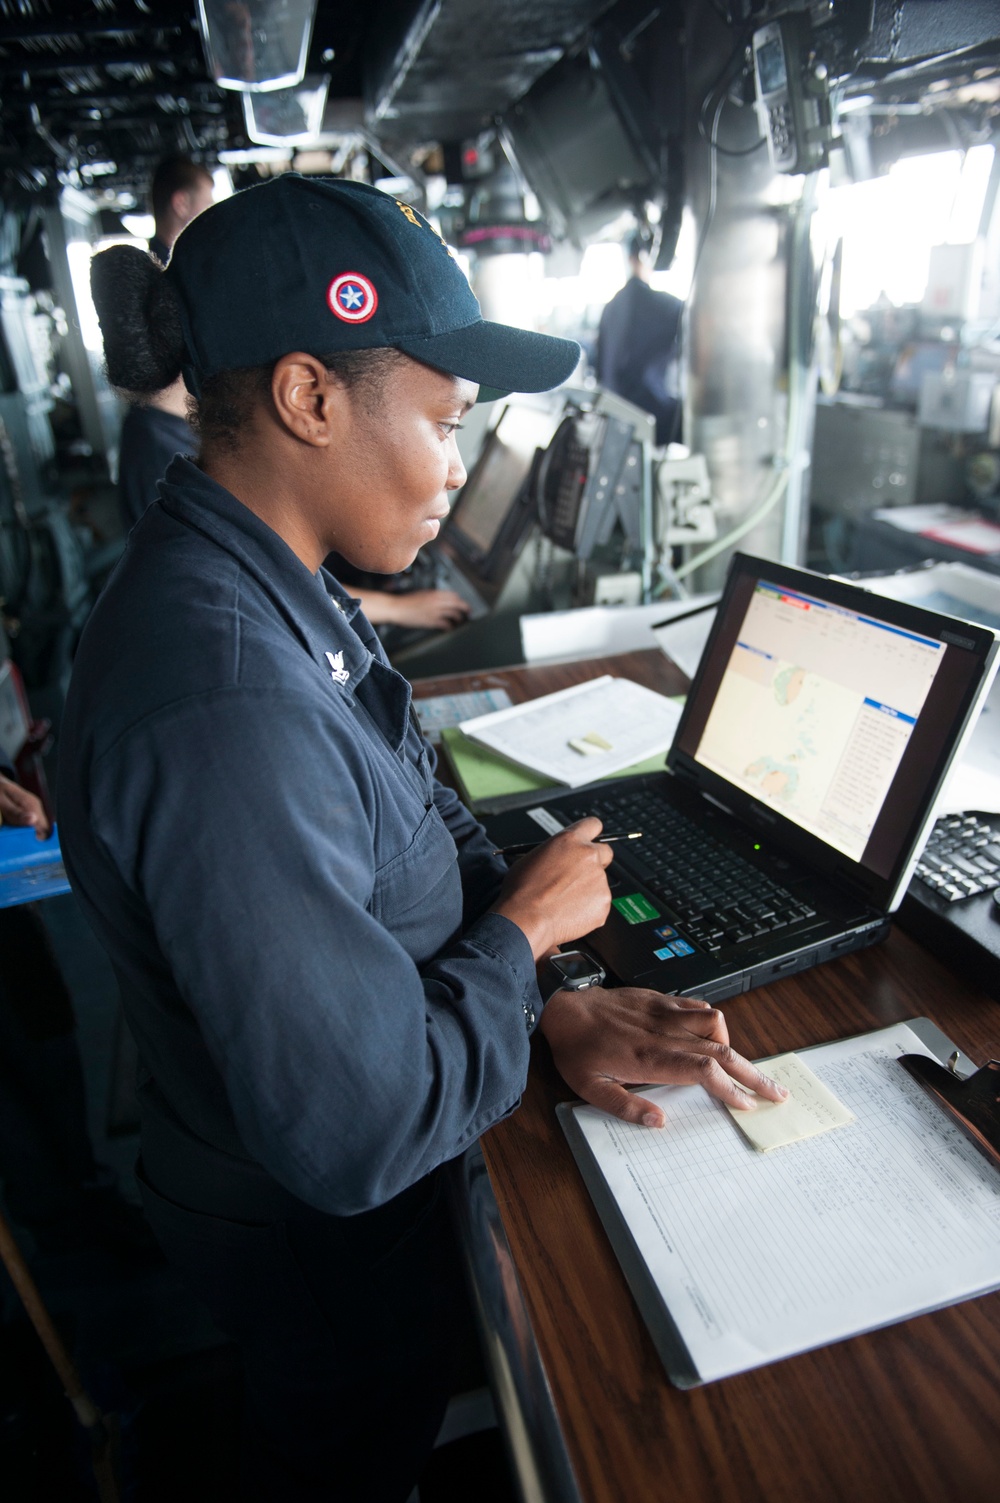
800, 786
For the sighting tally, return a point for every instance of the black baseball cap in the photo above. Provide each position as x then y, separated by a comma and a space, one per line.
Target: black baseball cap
325, 265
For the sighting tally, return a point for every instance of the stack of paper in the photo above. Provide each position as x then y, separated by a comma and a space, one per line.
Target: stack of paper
577, 735
488, 783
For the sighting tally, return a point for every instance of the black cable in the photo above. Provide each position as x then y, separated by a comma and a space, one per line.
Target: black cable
722, 77
745, 151
712, 194
723, 82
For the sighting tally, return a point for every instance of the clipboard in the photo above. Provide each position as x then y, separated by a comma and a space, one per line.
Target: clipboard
972, 1101
659, 1252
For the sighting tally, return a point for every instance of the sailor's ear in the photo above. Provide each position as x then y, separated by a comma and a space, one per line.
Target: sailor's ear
307, 399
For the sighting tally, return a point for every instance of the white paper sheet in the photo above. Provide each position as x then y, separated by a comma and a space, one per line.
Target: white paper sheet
684, 640
634, 722
597, 630
759, 1256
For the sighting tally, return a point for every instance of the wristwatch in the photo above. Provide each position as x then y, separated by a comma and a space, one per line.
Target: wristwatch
568, 971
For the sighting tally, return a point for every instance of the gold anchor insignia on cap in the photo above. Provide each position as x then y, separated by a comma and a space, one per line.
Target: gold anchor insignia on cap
338, 672
421, 224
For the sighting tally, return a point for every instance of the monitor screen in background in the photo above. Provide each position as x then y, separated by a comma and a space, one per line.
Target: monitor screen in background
816, 707
484, 503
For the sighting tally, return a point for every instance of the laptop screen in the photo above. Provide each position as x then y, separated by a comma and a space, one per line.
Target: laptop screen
815, 709
831, 709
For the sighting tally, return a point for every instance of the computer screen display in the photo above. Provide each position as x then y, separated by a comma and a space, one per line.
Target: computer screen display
830, 711
499, 473
816, 707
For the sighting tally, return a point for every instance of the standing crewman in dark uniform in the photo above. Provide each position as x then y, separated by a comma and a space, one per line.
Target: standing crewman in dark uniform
329, 973
637, 342
180, 191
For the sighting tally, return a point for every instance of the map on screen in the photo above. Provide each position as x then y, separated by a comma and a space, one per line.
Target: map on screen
815, 710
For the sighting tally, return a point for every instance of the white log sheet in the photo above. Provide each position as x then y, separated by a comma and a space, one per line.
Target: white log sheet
759, 1256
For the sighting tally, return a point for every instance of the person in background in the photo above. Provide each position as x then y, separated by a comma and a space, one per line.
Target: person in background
386, 600
637, 343
158, 428
151, 435
180, 191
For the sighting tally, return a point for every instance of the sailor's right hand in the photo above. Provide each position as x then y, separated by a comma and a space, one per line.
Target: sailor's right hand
436, 610
560, 891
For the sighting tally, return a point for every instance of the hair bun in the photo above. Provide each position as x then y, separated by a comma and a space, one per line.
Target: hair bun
140, 320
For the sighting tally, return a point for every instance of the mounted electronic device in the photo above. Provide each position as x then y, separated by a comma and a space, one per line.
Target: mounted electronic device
684, 509
596, 474
793, 92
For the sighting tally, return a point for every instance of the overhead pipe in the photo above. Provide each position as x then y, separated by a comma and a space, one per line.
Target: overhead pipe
73, 62
45, 31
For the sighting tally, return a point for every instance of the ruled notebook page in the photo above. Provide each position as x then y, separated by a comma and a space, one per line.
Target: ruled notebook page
758, 1256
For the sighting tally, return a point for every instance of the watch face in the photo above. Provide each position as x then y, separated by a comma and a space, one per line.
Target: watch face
575, 967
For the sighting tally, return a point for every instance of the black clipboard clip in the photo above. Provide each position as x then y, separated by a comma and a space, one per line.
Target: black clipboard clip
973, 1103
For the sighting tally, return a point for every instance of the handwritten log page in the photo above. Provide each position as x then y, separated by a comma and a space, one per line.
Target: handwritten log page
759, 1256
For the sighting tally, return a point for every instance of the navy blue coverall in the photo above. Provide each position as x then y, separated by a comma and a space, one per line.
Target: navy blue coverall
324, 1009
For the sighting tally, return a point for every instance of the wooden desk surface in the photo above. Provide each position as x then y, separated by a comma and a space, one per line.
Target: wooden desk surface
910, 1412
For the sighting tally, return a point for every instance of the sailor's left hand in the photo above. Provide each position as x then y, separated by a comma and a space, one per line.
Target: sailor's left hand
604, 1039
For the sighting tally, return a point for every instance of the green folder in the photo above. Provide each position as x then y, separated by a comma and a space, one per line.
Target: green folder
489, 783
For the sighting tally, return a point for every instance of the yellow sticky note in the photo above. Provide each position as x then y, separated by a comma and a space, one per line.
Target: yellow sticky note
590, 745
810, 1107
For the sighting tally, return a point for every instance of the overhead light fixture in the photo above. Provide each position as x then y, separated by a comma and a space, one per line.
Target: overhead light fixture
397, 187
288, 117
256, 45
255, 156
97, 169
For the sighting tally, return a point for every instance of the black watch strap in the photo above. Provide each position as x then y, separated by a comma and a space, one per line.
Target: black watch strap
569, 970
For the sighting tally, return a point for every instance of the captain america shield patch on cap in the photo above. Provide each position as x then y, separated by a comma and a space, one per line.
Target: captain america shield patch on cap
352, 297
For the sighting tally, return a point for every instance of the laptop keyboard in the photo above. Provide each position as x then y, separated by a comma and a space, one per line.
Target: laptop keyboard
720, 898
961, 857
